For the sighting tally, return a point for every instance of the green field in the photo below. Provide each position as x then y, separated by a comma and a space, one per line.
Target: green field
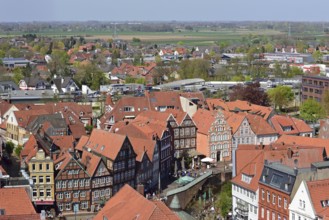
201, 37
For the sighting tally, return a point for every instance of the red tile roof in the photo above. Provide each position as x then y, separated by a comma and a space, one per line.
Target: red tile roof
259, 125
297, 126
16, 202
78, 130
250, 159
318, 191
203, 120
239, 105
304, 141
142, 146
105, 143
129, 204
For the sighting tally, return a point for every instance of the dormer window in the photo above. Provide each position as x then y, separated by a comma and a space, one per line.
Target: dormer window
287, 128
129, 109
81, 113
246, 178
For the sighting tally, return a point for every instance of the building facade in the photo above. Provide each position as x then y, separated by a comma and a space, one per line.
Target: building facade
314, 87
72, 185
220, 141
41, 169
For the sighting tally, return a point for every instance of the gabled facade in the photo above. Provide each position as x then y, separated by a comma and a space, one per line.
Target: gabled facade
101, 180
72, 184
41, 169
301, 206
183, 130
220, 141
117, 153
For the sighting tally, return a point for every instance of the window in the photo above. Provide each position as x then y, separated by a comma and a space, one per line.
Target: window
70, 183
60, 196
176, 134
279, 217
67, 195
60, 206
84, 205
47, 179
68, 206
34, 178
87, 182
76, 194
128, 109
273, 199
276, 180
63, 184
279, 201
268, 196
82, 183
285, 203
47, 167
96, 194
263, 194
33, 167
293, 216
40, 166
41, 193
83, 194
76, 183
267, 214
40, 179
273, 215
48, 192
35, 192
262, 213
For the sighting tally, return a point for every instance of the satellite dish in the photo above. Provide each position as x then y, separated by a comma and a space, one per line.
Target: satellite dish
48, 58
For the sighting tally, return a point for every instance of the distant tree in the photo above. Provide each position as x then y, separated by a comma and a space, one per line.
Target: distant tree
281, 96
311, 110
194, 69
269, 48
136, 40
325, 101
18, 75
26, 71
9, 148
225, 199
18, 150
130, 79
251, 93
317, 56
58, 63
14, 52
2, 54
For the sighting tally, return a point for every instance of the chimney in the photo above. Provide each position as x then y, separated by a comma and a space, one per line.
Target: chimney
140, 189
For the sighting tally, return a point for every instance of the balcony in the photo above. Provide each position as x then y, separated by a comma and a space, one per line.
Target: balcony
242, 210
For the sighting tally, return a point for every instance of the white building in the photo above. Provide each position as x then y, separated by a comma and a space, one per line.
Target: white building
311, 201
245, 192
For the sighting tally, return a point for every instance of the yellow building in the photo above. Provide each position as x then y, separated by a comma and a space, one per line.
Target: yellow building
41, 169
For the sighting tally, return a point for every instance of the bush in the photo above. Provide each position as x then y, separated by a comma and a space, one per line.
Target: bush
9, 148
18, 150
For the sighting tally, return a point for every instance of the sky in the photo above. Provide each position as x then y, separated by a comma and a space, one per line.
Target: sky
163, 10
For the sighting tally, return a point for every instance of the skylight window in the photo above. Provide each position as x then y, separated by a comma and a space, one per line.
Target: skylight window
276, 180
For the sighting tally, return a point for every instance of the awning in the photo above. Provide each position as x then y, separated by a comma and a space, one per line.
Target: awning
207, 160
44, 202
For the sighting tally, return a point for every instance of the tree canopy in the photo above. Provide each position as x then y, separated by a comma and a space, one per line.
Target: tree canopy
194, 69
311, 110
281, 96
251, 93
